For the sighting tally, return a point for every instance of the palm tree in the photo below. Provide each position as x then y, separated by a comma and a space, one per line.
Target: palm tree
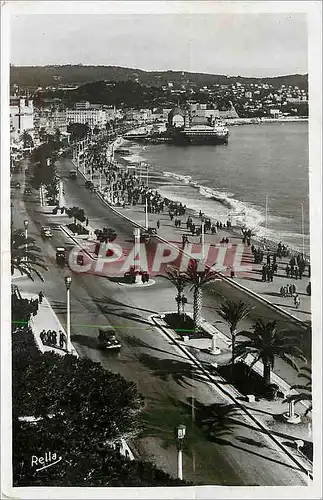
25, 255
179, 280
265, 342
198, 279
233, 312
306, 389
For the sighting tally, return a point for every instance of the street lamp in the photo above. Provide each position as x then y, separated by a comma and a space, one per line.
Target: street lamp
26, 222
180, 432
68, 281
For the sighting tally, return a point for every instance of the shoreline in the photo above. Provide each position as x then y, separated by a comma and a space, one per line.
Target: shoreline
156, 171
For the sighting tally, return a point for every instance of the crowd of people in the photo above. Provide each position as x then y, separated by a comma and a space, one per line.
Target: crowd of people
54, 339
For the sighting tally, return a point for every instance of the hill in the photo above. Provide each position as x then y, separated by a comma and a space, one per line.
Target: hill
43, 76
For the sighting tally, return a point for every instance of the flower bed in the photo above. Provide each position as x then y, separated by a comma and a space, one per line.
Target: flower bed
184, 326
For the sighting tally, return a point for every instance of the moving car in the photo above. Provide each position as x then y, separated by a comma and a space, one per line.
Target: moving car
61, 256
46, 232
28, 191
89, 184
107, 339
73, 174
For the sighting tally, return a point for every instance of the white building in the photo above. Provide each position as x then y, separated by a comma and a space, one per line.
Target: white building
94, 117
21, 114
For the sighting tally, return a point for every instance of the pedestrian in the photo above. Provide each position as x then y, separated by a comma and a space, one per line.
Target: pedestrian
87, 221
293, 287
48, 337
158, 224
42, 336
40, 296
297, 301
61, 339
54, 338
287, 270
290, 290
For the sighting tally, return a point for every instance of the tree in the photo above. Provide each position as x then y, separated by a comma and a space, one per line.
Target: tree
265, 342
306, 389
77, 410
198, 279
179, 280
233, 312
25, 255
77, 214
27, 140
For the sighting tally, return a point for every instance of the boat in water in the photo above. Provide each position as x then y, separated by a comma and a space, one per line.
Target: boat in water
201, 134
183, 128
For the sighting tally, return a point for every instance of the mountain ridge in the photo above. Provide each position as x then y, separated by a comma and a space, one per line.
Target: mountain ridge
78, 74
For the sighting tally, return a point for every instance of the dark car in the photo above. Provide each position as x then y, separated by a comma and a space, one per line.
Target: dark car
15, 184
73, 174
89, 184
107, 339
46, 232
28, 191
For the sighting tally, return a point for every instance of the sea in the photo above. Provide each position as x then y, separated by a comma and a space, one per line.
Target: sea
265, 165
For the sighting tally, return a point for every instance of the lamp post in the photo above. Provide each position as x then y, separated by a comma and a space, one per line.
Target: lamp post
179, 436
26, 222
68, 281
203, 239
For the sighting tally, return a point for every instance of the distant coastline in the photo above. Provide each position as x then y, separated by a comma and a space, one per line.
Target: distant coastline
253, 121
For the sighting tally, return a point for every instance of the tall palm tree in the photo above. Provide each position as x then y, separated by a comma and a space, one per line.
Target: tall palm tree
25, 255
265, 342
198, 278
179, 280
306, 389
233, 312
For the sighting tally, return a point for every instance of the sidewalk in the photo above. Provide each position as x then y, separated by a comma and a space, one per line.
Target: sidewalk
46, 319
252, 279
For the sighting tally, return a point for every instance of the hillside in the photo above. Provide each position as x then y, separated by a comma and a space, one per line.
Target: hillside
42, 76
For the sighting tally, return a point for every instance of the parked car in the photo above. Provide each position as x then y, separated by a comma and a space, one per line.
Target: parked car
28, 191
46, 232
15, 184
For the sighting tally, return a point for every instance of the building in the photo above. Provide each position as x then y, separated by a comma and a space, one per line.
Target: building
94, 117
21, 114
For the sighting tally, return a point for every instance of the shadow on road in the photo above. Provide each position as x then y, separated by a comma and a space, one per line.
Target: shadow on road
169, 369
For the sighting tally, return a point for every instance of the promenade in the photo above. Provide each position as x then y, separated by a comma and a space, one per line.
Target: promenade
252, 280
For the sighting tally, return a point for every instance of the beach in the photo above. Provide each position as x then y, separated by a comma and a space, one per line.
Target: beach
270, 161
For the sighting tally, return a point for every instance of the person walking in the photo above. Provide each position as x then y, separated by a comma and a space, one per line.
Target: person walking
297, 301
61, 339
40, 296
287, 270
158, 224
54, 338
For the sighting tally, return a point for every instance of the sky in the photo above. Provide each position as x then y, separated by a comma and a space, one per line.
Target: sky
233, 44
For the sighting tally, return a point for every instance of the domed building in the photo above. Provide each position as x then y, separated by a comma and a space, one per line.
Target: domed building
176, 118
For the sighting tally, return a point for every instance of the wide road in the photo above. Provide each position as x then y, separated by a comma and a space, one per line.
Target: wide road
167, 380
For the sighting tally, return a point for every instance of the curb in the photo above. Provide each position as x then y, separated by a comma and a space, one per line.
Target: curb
76, 242
153, 319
